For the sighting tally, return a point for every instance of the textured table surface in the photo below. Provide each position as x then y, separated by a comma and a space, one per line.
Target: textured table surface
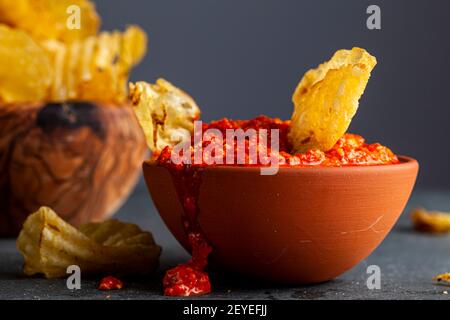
408, 260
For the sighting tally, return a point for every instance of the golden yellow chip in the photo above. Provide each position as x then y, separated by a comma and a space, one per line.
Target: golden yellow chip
25, 70
445, 277
49, 245
64, 20
430, 221
165, 113
326, 99
95, 68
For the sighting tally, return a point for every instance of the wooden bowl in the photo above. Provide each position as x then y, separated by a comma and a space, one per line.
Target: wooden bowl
300, 226
81, 159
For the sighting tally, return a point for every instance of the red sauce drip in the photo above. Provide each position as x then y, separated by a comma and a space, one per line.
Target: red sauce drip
190, 278
110, 283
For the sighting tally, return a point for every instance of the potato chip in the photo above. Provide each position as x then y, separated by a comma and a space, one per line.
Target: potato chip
49, 245
326, 99
166, 113
430, 221
444, 277
64, 20
95, 68
25, 70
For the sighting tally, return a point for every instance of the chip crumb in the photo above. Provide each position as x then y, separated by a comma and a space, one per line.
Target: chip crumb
444, 277
430, 221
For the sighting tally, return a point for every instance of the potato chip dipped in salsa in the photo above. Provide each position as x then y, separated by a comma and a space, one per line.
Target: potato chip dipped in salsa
325, 101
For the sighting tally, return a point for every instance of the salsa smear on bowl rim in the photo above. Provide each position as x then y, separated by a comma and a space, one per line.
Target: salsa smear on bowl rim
190, 278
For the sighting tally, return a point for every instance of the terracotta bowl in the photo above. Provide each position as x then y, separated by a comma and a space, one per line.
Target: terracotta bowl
80, 159
300, 226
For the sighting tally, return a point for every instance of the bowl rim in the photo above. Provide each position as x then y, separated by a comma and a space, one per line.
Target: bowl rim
406, 163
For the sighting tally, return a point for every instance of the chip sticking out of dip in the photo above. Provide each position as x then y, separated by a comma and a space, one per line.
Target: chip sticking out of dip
326, 99
165, 112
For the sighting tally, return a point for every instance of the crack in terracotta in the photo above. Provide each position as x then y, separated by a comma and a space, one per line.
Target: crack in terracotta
371, 227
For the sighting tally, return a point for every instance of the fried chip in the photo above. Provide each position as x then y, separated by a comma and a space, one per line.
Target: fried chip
52, 19
30, 77
49, 245
165, 113
444, 277
95, 68
430, 221
326, 99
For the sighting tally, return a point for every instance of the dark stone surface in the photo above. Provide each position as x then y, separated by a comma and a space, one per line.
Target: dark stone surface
408, 260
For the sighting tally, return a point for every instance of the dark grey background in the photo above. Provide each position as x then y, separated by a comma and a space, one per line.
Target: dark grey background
242, 58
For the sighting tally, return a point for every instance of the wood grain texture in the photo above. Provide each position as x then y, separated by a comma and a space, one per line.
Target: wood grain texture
81, 160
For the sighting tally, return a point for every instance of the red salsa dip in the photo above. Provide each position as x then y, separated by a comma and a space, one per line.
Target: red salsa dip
190, 278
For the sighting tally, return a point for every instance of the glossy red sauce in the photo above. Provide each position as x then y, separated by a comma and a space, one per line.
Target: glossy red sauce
110, 283
190, 278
